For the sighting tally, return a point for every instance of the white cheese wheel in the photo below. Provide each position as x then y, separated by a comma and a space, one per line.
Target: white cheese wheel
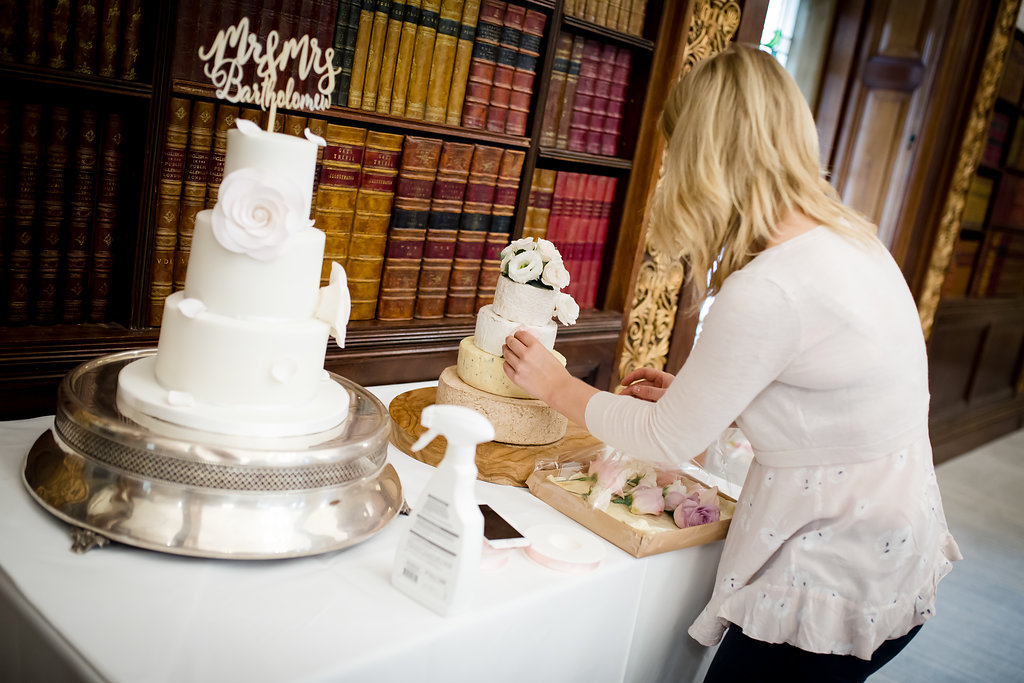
485, 371
492, 329
524, 303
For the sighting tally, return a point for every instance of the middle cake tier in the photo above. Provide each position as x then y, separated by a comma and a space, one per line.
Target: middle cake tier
486, 372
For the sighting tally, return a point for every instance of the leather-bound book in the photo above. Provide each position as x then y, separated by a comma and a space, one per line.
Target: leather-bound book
54, 217
168, 201
34, 36
525, 72
193, 187
502, 218
370, 225
389, 58
590, 10
572, 79
8, 30
569, 7
318, 127
131, 38
559, 219
443, 61
505, 68
539, 212
25, 214
612, 18
482, 64
225, 121
362, 50
110, 38
616, 103
104, 231
408, 229
346, 27
442, 228
556, 90
637, 17
620, 21
81, 217
474, 225
375, 54
83, 53
294, 124
463, 56
597, 124
583, 105
58, 34
336, 194
594, 249
406, 47
422, 58
593, 193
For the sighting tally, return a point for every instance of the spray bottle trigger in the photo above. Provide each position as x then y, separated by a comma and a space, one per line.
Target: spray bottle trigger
425, 439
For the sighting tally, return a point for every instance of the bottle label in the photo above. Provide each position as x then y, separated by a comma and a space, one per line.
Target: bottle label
432, 552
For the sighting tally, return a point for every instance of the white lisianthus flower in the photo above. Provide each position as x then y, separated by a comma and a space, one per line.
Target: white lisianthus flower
524, 244
566, 309
555, 275
525, 266
548, 251
256, 212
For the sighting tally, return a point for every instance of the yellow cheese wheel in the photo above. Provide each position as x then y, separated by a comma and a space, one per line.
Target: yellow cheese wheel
485, 371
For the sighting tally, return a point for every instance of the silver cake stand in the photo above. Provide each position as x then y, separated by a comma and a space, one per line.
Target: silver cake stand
163, 487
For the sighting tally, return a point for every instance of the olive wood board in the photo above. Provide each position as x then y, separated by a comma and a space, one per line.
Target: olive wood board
498, 463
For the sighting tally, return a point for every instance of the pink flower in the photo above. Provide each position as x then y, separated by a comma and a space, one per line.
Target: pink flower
675, 493
692, 513
610, 473
647, 500
667, 477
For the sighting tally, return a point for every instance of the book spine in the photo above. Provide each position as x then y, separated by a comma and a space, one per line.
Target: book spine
597, 123
502, 218
318, 127
542, 191
616, 103
556, 90
131, 38
58, 32
504, 69
165, 237
442, 229
525, 73
362, 51
482, 64
596, 248
637, 17
620, 21
422, 58
346, 29
474, 225
370, 224
375, 54
583, 106
25, 215
389, 60
34, 36
336, 196
420, 157
8, 32
569, 7
561, 206
86, 32
110, 38
572, 78
294, 124
590, 10
104, 233
193, 188
574, 224
406, 48
76, 254
593, 193
54, 218
463, 57
443, 61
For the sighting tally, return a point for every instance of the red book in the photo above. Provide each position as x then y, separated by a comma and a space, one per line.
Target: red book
104, 232
596, 125
482, 64
525, 72
54, 217
583, 107
616, 103
556, 222
594, 253
76, 254
504, 69
19, 271
575, 228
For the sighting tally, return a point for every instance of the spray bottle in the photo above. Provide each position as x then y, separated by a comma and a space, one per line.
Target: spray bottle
439, 556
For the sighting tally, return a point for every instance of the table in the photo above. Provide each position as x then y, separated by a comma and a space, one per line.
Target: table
120, 613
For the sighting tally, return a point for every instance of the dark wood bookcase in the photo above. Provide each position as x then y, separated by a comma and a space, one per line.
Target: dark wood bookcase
34, 358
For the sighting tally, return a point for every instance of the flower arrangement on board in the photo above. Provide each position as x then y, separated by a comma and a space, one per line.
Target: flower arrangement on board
537, 263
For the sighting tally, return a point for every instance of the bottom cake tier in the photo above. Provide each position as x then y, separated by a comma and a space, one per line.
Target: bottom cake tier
517, 421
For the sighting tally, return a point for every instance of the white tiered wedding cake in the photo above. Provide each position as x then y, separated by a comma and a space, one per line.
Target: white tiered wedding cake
242, 347
526, 297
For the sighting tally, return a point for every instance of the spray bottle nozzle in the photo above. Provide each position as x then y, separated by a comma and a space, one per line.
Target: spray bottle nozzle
459, 425
424, 439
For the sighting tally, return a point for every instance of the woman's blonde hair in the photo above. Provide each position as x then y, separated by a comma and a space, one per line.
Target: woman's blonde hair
742, 155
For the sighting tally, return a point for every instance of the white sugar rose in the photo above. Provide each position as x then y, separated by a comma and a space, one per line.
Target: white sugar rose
566, 309
256, 212
525, 266
548, 251
555, 275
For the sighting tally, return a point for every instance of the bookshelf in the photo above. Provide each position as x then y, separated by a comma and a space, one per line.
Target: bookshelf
34, 355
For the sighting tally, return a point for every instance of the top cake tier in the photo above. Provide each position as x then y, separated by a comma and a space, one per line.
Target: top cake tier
289, 155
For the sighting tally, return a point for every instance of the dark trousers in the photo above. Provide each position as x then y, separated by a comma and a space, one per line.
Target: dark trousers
741, 658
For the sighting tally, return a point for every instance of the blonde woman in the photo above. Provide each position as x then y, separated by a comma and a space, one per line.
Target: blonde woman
813, 346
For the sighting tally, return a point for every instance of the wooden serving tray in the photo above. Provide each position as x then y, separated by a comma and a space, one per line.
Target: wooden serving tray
498, 463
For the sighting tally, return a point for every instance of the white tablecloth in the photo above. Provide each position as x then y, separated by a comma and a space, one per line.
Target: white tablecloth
123, 614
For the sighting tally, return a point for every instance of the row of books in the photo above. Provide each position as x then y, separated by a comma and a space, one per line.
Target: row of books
58, 224
100, 37
586, 96
626, 16
460, 62
573, 211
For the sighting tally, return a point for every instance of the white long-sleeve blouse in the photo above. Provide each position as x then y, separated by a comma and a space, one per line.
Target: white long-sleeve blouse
815, 349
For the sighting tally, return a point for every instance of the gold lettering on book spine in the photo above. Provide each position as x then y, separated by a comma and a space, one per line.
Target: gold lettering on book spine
971, 149
659, 278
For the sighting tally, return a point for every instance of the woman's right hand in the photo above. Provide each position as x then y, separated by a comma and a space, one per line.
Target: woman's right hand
646, 383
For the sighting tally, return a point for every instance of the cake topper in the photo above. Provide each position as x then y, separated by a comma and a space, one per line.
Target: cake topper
235, 47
